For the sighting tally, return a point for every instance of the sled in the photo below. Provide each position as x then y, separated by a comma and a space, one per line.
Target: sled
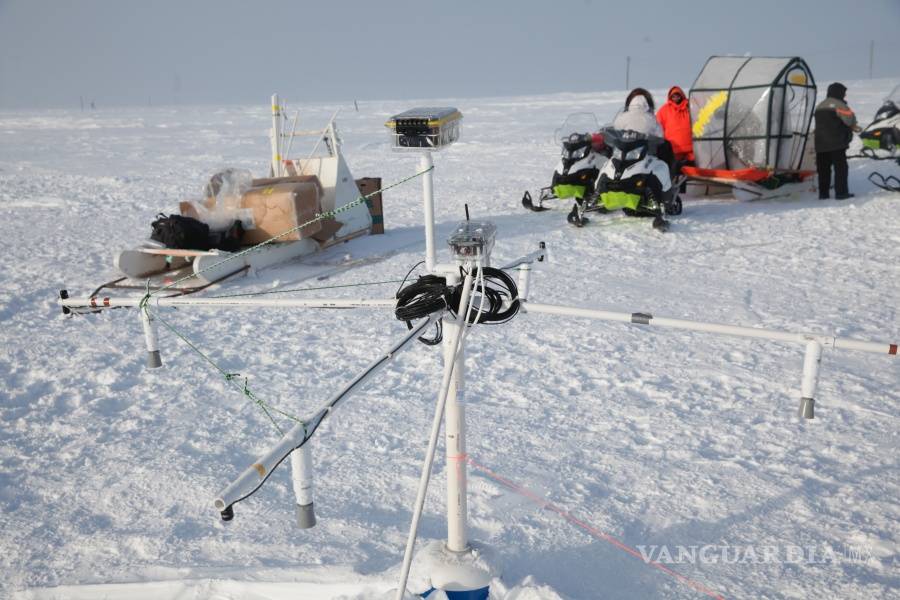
331, 259
205, 267
338, 189
752, 184
750, 124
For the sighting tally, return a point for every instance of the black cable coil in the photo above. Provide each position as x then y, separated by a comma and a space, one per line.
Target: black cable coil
430, 293
498, 289
427, 295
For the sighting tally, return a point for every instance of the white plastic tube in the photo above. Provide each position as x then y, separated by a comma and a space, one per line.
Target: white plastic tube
433, 438
733, 330
302, 479
256, 474
276, 137
425, 166
110, 302
538, 255
151, 339
455, 441
523, 280
811, 362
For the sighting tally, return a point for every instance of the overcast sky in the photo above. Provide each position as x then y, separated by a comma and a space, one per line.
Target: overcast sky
225, 51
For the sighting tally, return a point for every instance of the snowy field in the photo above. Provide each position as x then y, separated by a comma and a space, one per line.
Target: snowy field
655, 440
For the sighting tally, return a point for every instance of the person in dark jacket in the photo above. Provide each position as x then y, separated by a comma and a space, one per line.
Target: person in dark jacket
835, 124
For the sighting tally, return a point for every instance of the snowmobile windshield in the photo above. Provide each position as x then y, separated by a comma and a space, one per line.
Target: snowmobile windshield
890, 107
628, 146
577, 123
894, 96
887, 110
620, 137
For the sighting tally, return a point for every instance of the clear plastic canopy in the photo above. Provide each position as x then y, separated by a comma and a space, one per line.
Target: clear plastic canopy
752, 112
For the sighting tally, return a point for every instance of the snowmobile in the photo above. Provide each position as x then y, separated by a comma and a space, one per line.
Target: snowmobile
633, 180
882, 136
881, 140
576, 173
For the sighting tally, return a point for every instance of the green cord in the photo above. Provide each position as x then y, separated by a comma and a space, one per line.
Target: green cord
308, 289
319, 217
230, 377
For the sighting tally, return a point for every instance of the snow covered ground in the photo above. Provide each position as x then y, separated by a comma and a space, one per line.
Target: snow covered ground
662, 440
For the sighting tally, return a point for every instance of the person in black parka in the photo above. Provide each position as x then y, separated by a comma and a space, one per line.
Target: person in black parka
835, 124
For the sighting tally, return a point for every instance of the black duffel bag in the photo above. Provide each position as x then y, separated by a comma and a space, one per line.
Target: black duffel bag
176, 231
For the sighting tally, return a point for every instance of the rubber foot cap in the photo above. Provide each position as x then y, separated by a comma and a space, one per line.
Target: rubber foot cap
807, 408
153, 360
306, 516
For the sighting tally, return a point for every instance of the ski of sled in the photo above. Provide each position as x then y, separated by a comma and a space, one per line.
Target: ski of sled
747, 191
208, 266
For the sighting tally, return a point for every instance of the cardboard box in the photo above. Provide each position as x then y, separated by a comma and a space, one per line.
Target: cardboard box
187, 208
289, 179
281, 207
366, 186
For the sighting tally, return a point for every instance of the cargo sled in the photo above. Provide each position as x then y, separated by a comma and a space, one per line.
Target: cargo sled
750, 120
296, 191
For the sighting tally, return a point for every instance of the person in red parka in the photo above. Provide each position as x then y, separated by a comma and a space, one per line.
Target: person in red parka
675, 118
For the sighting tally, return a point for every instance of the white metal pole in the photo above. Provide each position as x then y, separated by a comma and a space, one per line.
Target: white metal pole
276, 137
254, 475
524, 280
332, 135
455, 439
290, 139
425, 165
552, 309
811, 362
449, 366
538, 255
302, 479
246, 302
734, 330
151, 339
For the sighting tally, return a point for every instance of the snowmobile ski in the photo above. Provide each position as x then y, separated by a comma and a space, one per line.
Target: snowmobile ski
544, 194
877, 154
890, 183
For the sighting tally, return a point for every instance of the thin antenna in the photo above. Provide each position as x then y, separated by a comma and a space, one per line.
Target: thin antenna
871, 57
627, 72
467, 211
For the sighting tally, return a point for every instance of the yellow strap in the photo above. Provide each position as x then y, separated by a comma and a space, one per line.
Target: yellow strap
706, 113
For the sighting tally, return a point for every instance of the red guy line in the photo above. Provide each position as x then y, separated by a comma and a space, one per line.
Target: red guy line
543, 503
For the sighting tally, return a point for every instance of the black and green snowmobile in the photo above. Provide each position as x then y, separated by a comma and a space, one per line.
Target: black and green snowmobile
881, 140
575, 176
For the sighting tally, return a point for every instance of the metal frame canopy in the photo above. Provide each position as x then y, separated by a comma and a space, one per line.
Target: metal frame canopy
752, 112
